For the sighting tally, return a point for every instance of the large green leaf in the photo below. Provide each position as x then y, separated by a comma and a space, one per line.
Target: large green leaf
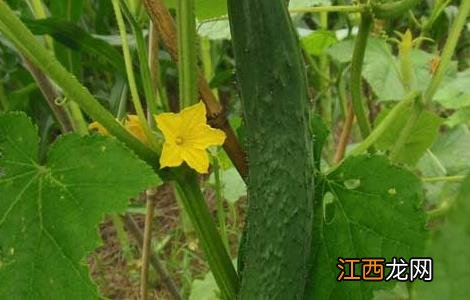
205, 9
215, 30
380, 67
208, 9
233, 186
342, 52
448, 156
421, 138
452, 149
366, 208
461, 116
205, 288
320, 136
382, 70
50, 212
450, 248
455, 92
317, 42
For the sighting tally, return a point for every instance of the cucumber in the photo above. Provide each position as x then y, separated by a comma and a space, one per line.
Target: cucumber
275, 104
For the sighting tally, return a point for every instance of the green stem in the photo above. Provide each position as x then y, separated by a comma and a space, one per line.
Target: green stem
122, 237
136, 233
187, 276
39, 12
324, 84
356, 74
122, 107
50, 94
187, 52
436, 161
161, 83
133, 5
342, 94
38, 9
440, 211
406, 131
220, 204
79, 123
390, 119
448, 51
149, 91
326, 99
438, 8
131, 77
151, 195
192, 199
154, 65
314, 67
29, 46
3, 98
206, 59
457, 178
217, 257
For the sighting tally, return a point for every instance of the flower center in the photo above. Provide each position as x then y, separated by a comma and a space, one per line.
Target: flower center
179, 140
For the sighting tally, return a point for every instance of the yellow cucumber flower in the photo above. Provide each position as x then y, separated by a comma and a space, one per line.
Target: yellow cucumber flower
187, 136
95, 126
131, 123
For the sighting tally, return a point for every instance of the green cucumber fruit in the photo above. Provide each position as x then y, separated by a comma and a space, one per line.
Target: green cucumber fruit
275, 102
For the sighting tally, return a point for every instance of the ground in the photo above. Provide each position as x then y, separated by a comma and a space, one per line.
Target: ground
116, 270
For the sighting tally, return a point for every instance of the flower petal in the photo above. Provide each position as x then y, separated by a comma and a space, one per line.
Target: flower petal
192, 116
203, 136
170, 125
171, 156
196, 159
132, 124
98, 128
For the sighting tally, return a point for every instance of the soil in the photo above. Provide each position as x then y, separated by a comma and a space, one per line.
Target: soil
116, 269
